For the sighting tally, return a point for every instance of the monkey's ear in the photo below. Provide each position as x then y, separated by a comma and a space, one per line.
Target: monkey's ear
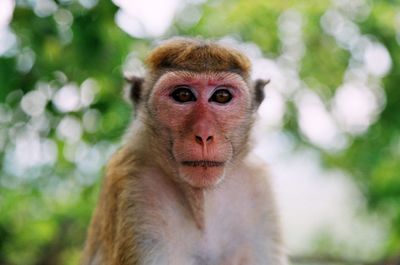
259, 91
134, 92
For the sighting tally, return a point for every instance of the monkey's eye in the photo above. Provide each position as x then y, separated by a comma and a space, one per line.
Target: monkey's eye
183, 94
222, 96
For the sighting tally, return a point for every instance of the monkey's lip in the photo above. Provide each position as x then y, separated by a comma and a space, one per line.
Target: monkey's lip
203, 163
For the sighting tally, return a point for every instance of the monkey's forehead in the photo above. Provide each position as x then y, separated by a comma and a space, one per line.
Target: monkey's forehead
209, 78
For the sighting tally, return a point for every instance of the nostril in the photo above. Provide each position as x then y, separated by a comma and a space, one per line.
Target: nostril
199, 139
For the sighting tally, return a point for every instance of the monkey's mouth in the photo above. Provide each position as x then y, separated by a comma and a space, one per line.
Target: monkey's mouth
203, 163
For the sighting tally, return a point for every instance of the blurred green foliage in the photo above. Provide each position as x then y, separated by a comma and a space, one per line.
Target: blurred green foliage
45, 207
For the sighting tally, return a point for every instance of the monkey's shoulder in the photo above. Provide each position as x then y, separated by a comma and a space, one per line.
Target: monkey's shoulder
254, 174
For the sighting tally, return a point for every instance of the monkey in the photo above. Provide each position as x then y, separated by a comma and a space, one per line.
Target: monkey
184, 189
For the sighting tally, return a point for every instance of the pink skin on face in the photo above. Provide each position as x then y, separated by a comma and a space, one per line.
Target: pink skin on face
201, 128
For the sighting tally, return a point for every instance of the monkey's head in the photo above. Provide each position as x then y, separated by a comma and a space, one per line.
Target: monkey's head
199, 105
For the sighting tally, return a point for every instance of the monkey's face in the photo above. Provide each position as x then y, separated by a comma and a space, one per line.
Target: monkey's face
205, 119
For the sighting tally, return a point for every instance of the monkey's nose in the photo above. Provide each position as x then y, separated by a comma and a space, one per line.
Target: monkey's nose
204, 140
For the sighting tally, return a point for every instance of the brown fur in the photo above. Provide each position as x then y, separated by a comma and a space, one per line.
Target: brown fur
146, 215
197, 55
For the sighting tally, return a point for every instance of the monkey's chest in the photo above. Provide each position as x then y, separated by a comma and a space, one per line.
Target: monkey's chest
227, 238
182, 243
231, 234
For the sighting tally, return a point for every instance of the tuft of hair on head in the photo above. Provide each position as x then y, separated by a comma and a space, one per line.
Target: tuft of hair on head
197, 55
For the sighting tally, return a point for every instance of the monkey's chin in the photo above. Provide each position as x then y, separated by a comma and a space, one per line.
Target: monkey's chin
202, 177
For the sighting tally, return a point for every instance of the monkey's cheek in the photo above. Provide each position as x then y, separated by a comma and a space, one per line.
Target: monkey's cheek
202, 177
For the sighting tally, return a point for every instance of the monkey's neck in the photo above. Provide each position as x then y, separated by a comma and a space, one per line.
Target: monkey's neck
196, 201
